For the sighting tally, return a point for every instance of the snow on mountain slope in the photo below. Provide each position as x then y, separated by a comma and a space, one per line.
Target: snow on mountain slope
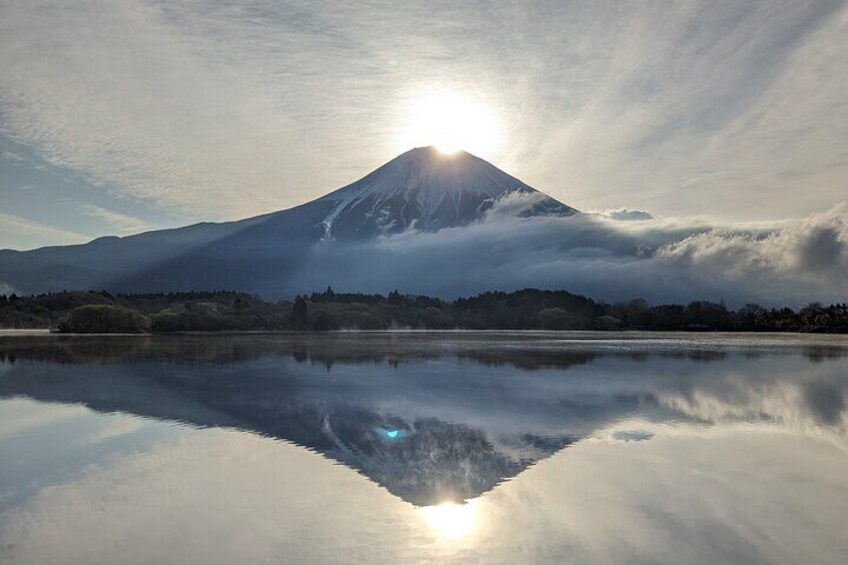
425, 190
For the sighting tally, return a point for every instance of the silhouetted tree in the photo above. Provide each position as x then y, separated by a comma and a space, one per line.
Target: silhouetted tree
300, 313
524, 309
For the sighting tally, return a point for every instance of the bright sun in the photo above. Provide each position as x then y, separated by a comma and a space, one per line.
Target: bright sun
449, 519
451, 121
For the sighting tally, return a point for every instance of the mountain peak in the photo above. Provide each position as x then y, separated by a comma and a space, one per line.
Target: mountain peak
424, 189
434, 155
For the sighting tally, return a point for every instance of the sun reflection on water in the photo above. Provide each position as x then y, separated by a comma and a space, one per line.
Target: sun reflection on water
450, 520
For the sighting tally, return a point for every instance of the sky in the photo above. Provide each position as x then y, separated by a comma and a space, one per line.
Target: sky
118, 117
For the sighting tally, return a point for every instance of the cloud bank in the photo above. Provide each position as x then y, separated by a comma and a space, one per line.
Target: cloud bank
593, 254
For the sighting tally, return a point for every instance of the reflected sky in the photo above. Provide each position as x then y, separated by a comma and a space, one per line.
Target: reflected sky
415, 447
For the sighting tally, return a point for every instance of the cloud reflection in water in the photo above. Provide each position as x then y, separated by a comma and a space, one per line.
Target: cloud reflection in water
539, 448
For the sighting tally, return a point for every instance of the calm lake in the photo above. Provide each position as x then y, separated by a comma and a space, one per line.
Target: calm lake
417, 447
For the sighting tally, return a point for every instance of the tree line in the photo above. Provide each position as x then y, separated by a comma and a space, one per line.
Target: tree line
528, 309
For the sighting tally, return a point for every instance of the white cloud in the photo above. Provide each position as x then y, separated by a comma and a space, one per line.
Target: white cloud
134, 100
661, 260
625, 214
123, 223
18, 232
224, 110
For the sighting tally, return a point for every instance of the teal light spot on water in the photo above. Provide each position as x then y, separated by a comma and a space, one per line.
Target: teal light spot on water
392, 433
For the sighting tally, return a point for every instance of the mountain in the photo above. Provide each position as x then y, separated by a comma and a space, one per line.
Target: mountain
420, 190
425, 190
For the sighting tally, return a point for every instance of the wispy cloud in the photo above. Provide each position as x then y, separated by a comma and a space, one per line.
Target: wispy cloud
122, 223
17, 232
221, 110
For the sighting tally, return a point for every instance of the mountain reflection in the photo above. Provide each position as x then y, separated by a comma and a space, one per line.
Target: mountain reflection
434, 418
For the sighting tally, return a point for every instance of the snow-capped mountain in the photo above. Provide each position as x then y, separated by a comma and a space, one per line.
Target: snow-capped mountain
425, 190
420, 190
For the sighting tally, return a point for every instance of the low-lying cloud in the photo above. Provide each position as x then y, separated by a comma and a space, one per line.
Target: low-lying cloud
598, 255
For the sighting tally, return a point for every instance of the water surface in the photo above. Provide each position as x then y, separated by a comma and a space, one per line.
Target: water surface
418, 447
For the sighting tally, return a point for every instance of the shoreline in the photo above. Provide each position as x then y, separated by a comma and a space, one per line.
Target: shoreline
628, 333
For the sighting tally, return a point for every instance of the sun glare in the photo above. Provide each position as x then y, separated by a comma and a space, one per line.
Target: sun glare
451, 121
449, 519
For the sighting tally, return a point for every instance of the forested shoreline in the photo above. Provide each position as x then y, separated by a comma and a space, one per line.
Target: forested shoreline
528, 309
